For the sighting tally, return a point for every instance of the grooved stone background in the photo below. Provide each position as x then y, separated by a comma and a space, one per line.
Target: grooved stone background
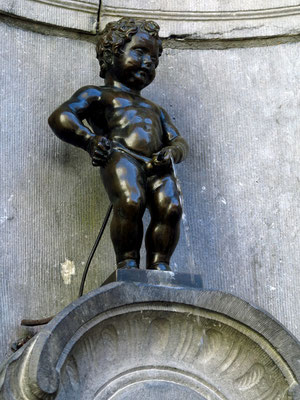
239, 111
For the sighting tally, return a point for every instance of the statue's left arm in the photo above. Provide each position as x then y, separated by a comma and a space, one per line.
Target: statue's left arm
175, 145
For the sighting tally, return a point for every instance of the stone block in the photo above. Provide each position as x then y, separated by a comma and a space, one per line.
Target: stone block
158, 278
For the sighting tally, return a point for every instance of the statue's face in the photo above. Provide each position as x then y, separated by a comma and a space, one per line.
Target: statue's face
135, 65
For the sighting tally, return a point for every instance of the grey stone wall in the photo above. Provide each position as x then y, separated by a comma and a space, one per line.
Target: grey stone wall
238, 109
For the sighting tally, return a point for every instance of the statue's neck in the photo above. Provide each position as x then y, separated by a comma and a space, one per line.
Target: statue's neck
113, 82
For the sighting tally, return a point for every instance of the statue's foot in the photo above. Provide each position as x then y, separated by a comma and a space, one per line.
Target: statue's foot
127, 264
160, 266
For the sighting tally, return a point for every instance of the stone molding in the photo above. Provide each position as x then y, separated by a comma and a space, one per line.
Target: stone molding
200, 22
77, 5
127, 339
161, 14
199, 15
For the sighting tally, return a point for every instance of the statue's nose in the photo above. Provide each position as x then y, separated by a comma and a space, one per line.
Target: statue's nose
147, 61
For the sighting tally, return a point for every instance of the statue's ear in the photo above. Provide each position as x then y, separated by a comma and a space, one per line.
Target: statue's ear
102, 64
103, 68
117, 49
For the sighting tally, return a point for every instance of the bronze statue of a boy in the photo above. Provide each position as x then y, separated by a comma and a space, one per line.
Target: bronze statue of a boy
133, 141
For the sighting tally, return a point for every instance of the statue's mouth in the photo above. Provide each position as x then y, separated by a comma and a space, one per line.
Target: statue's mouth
143, 74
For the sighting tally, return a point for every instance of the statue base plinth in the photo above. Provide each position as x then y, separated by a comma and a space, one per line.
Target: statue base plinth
157, 278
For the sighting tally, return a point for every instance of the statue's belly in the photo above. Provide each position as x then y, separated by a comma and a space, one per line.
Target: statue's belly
142, 139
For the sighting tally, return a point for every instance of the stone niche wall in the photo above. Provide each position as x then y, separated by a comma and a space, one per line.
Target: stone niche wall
229, 77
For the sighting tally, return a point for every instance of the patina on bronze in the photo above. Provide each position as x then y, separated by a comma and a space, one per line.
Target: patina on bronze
132, 140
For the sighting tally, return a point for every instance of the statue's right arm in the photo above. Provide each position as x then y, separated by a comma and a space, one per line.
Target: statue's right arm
66, 120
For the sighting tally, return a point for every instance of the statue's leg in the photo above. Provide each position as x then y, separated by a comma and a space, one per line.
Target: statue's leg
125, 183
163, 232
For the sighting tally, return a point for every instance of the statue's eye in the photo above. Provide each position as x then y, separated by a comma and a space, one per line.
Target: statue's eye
139, 52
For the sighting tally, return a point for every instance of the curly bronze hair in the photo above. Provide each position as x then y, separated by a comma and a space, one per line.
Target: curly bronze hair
116, 34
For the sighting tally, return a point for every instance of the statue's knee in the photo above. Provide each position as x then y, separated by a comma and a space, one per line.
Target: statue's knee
173, 210
130, 208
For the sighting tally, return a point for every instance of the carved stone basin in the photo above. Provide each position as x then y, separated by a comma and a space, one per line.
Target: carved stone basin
139, 341
171, 349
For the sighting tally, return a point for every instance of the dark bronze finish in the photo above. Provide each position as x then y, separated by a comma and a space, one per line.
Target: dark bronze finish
94, 248
20, 342
36, 322
132, 140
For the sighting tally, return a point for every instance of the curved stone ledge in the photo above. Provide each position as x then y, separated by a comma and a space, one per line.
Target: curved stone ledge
72, 14
214, 23
132, 340
203, 21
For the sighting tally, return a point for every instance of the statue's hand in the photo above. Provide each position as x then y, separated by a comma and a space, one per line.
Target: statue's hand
163, 157
100, 149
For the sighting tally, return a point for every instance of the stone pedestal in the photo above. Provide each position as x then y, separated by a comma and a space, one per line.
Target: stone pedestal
133, 340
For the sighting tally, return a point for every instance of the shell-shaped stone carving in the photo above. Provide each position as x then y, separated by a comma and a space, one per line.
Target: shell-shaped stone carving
72, 372
109, 342
158, 335
209, 345
251, 377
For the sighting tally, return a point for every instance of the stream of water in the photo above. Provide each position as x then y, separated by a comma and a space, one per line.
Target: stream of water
191, 258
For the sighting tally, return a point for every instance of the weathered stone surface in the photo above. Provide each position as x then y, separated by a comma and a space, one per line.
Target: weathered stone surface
159, 389
212, 19
127, 340
73, 14
165, 278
